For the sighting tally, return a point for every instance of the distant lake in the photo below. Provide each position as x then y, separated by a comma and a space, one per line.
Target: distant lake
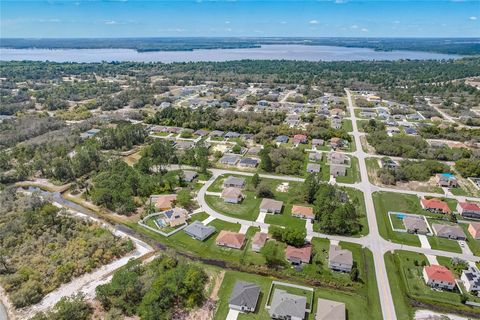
265, 52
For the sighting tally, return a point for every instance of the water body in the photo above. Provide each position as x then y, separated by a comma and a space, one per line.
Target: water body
265, 52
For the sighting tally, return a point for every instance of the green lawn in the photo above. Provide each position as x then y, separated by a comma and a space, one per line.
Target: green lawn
405, 276
389, 201
444, 244
285, 219
372, 167
347, 125
360, 124
247, 209
198, 216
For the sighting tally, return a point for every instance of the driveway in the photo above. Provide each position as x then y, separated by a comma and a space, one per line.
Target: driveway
232, 314
424, 241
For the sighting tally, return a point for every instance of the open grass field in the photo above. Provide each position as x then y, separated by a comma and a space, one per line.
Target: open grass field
247, 209
406, 281
347, 125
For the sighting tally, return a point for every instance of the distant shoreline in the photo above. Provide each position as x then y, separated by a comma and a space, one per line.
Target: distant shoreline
459, 46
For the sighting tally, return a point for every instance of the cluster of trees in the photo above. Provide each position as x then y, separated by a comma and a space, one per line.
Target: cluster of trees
449, 133
412, 147
412, 171
154, 290
468, 167
123, 136
41, 247
117, 184
13, 131
282, 160
334, 211
71, 308
291, 236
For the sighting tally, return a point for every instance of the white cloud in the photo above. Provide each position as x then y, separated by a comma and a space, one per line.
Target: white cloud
313, 21
110, 22
283, 22
227, 22
396, 22
229, 29
172, 30
364, 30
473, 18
354, 26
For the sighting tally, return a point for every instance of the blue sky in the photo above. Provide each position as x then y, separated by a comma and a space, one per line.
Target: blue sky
335, 18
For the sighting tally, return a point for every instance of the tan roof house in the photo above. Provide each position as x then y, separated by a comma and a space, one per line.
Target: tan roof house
230, 239
164, 201
232, 195
340, 259
176, 216
303, 212
271, 206
298, 256
330, 310
258, 241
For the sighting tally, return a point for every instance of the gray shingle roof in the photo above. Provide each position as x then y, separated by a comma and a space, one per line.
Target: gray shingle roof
245, 294
287, 304
199, 231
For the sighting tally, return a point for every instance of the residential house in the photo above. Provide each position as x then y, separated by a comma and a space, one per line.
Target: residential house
244, 297
435, 205
446, 180
415, 225
232, 195
248, 162
299, 138
287, 306
90, 133
336, 143
199, 231
175, 217
315, 156
388, 163
184, 144
474, 230
271, 206
229, 159
216, 134
258, 241
282, 139
336, 122
164, 201
438, 277
302, 212
317, 143
201, 132
337, 158
337, 112
453, 232
330, 310
338, 170
232, 181
392, 130
298, 256
255, 150
230, 239
232, 134
188, 175
469, 210
340, 259
471, 279
411, 131
313, 167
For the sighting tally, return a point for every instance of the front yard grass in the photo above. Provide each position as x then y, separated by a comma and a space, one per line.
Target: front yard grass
472, 243
404, 270
247, 209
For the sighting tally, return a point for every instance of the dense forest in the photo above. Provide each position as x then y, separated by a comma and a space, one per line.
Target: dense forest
154, 290
41, 247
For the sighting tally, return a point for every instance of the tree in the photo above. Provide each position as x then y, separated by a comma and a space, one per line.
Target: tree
354, 272
263, 191
237, 149
294, 237
310, 187
273, 254
255, 180
265, 160
184, 198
